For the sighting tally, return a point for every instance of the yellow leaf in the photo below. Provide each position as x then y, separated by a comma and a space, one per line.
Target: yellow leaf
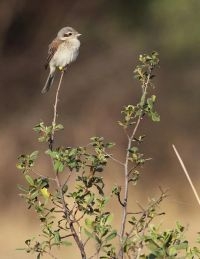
45, 193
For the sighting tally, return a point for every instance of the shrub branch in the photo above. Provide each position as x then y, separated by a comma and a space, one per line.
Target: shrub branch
65, 208
127, 170
51, 140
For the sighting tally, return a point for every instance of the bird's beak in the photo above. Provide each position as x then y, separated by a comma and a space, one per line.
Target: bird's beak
78, 34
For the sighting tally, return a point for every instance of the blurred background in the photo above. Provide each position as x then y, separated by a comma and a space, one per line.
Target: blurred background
94, 89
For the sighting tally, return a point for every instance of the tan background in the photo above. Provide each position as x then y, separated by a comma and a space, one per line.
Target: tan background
93, 92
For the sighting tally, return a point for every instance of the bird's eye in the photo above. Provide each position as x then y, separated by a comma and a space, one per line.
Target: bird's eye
67, 34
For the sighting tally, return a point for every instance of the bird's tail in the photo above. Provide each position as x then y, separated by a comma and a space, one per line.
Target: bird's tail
48, 83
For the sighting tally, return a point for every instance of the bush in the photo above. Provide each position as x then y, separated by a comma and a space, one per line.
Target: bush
79, 214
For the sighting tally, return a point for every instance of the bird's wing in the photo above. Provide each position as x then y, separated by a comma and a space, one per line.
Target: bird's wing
52, 49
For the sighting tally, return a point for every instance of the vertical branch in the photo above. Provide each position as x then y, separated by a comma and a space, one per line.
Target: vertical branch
126, 187
126, 165
51, 140
57, 179
126, 174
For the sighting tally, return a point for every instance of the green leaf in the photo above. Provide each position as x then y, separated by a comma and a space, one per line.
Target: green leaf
27, 242
153, 98
65, 188
34, 155
153, 246
109, 218
72, 152
100, 190
66, 243
155, 117
172, 251
29, 180
21, 188
59, 127
57, 237
111, 236
61, 168
133, 149
34, 194
89, 199
38, 127
89, 223
110, 145
58, 166
151, 256
181, 246
89, 234
122, 124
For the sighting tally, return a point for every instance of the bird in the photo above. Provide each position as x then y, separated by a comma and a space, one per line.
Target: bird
63, 50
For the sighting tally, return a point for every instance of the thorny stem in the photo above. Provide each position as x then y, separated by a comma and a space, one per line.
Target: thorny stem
126, 166
57, 179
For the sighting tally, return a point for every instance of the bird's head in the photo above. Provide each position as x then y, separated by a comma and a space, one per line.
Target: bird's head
68, 33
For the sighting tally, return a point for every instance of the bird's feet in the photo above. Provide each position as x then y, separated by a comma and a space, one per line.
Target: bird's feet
62, 69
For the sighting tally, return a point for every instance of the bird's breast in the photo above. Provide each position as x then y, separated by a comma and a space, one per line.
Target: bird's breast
66, 53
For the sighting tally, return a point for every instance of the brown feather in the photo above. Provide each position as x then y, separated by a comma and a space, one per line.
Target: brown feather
52, 49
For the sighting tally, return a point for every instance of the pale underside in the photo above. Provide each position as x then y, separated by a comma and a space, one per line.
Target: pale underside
65, 54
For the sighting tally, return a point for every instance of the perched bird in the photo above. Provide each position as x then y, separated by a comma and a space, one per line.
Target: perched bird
63, 50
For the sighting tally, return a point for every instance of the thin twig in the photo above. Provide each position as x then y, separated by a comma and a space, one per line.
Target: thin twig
134, 213
119, 199
96, 254
57, 205
69, 235
55, 112
51, 255
114, 159
86, 241
77, 220
187, 174
144, 213
68, 177
42, 176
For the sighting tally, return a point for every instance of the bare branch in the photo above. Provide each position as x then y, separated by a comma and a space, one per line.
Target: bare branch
55, 112
114, 159
42, 176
